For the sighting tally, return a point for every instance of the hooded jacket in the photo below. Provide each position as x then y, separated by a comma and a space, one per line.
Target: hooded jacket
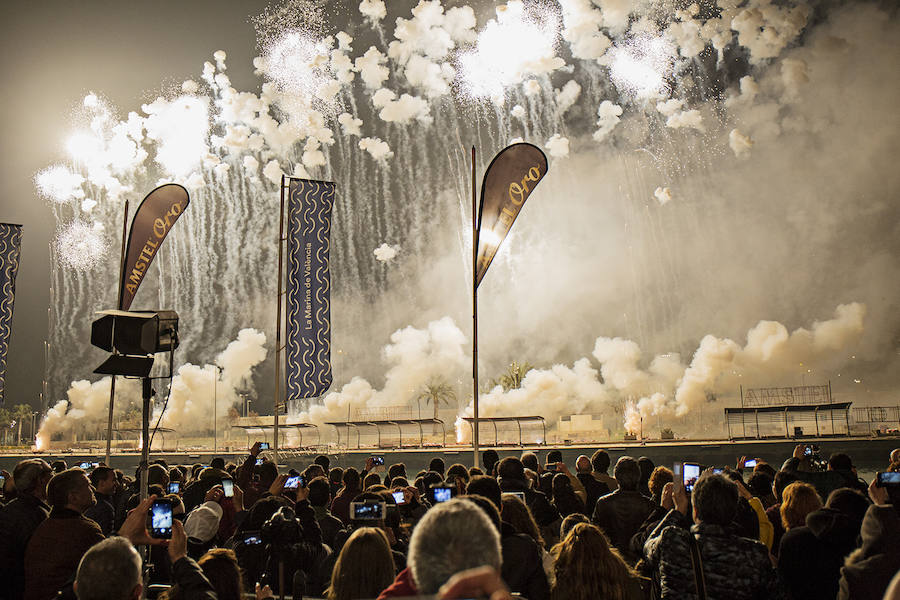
868, 571
811, 557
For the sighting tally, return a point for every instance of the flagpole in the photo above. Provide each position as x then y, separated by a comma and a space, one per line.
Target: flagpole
112, 385
474, 316
278, 322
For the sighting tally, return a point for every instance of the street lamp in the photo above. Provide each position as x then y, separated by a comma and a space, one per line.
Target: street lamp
216, 370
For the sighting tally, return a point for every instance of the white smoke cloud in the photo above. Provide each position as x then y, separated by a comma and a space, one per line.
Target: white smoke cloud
558, 146
740, 144
378, 148
663, 195
372, 69
385, 252
350, 124
59, 183
373, 10
402, 110
582, 24
567, 96
194, 391
415, 357
765, 29
690, 119
608, 117
180, 128
667, 388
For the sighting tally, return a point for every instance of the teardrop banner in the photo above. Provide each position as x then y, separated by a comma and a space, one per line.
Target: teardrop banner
152, 222
308, 344
508, 181
10, 246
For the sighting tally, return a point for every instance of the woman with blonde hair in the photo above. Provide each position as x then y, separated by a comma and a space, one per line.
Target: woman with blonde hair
588, 567
364, 568
798, 500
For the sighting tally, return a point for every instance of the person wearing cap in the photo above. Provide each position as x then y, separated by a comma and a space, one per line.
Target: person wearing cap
202, 524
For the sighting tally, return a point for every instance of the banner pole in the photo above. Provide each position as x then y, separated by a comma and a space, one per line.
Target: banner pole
278, 322
112, 385
474, 317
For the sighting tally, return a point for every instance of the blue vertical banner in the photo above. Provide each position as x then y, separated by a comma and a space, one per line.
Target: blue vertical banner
308, 346
10, 245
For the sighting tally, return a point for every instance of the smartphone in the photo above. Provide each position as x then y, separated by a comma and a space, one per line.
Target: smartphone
718, 471
519, 495
377, 460
86, 465
690, 475
292, 483
259, 461
228, 486
264, 445
367, 511
174, 487
252, 538
399, 497
676, 472
161, 519
442, 493
750, 463
887, 480
551, 467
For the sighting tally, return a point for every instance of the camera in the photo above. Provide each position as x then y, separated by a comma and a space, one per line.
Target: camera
690, 475
377, 460
264, 445
887, 480
228, 487
174, 487
519, 495
282, 530
439, 492
367, 511
750, 463
252, 538
292, 483
161, 519
399, 497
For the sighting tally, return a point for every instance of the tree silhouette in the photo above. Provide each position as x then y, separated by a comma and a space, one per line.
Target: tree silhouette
21, 412
512, 378
437, 391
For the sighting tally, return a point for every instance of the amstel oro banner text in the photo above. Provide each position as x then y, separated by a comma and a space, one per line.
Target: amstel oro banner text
152, 222
10, 244
508, 181
308, 348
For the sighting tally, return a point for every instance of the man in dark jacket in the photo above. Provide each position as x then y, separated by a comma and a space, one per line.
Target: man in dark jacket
594, 488
523, 569
320, 498
58, 543
18, 520
732, 567
621, 513
511, 477
811, 557
869, 570
103, 512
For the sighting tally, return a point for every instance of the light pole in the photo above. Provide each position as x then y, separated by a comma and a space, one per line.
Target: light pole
33, 415
216, 370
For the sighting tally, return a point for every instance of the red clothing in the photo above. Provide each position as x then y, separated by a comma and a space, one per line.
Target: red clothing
55, 550
340, 506
403, 586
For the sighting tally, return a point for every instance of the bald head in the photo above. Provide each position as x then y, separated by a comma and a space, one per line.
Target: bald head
583, 464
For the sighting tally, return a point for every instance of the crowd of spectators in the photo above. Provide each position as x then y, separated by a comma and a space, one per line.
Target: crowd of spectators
811, 529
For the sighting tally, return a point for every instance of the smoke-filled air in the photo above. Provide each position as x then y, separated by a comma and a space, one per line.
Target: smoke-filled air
720, 211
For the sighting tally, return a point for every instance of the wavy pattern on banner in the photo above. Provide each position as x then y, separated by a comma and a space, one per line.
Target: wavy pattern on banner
10, 245
308, 344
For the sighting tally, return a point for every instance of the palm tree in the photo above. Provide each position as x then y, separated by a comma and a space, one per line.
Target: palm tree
437, 391
515, 373
20, 413
5, 424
